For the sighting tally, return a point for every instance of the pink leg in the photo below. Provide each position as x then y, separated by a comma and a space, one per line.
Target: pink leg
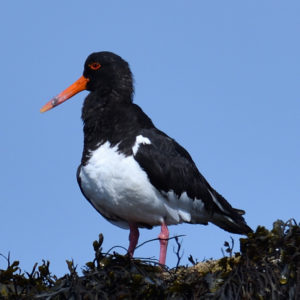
163, 240
133, 238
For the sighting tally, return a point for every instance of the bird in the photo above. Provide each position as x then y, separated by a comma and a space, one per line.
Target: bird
132, 173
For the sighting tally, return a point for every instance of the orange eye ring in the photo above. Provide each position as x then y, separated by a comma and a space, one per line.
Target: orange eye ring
94, 66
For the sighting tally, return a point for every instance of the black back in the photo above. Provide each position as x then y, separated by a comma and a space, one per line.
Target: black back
109, 115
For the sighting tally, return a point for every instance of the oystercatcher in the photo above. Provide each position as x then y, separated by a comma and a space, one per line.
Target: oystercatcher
132, 173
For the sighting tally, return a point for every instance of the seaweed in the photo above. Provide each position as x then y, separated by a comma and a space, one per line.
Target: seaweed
266, 267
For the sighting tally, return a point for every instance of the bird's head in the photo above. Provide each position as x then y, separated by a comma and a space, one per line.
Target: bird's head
103, 72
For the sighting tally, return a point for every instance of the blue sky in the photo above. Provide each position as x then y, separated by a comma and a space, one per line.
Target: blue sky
221, 77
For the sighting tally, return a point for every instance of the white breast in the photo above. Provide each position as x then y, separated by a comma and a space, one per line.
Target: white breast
120, 189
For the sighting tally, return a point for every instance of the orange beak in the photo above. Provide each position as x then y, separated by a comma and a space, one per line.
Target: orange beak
78, 86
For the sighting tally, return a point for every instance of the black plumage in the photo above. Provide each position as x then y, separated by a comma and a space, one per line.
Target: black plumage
113, 123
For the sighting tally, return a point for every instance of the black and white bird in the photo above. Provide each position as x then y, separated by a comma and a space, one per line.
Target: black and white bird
132, 173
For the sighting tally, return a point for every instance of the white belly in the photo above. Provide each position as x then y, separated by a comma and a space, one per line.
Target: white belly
120, 190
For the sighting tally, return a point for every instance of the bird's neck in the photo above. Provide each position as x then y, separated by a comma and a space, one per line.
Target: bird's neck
109, 118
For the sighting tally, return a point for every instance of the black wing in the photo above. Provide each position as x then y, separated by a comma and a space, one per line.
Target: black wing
170, 167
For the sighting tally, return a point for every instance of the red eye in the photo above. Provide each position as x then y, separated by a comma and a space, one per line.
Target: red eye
94, 66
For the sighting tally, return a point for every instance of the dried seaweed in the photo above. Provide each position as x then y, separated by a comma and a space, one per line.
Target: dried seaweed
267, 267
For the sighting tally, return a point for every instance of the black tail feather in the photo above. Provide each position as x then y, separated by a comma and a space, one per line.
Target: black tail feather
234, 223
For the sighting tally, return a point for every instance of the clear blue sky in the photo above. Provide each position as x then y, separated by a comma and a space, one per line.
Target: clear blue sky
221, 77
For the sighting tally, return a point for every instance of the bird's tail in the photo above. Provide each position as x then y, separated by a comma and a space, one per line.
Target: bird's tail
229, 218
236, 224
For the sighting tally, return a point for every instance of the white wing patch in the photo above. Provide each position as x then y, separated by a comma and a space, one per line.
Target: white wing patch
217, 202
139, 140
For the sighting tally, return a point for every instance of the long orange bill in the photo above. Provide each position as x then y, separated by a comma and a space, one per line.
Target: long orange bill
78, 86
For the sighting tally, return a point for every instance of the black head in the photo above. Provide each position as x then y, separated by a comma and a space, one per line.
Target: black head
104, 73
107, 71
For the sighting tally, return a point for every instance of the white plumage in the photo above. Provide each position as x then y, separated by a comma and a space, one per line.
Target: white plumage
120, 189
